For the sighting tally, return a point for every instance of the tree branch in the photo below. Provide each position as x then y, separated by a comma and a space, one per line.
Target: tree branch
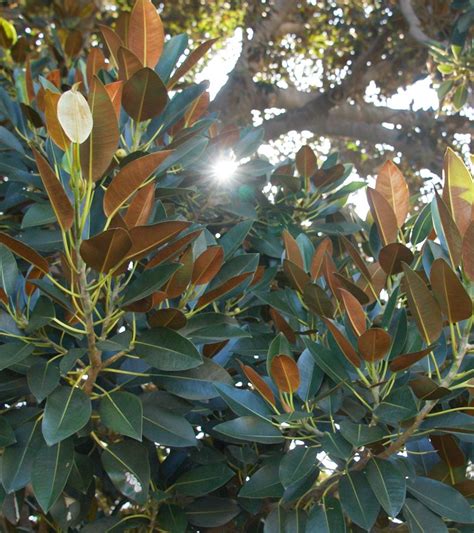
414, 24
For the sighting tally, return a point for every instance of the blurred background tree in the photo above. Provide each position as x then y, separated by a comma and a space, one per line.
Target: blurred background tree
318, 71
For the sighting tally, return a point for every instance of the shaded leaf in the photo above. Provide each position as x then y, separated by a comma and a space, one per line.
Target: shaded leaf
106, 250
285, 373
190, 61
358, 499
346, 347
392, 257
388, 484
144, 95
374, 344
355, 312
122, 412
250, 428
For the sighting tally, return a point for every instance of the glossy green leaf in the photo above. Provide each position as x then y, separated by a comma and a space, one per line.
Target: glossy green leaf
8, 271
126, 463
67, 410
358, 499
388, 484
12, 353
265, 483
211, 511
296, 464
43, 378
361, 434
203, 480
420, 519
7, 436
122, 412
326, 518
249, 428
51, 469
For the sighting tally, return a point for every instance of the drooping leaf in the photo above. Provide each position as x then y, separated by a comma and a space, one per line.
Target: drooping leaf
384, 216
393, 187
122, 412
98, 150
126, 464
406, 360
129, 180
358, 499
146, 35
57, 196
166, 349
67, 410
296, 464
75, 116
144, 95
450, 293
106, 250
423, 306
25, 252
285, 373
51, 469
374, 344
388, 484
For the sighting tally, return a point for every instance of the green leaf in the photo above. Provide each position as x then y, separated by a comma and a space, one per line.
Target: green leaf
282, 521
67, 411
441, 499
420, 519
7, 436
17, 460
165, 427
360, 434
122, 412
204, 479
296, 465
41, 315
126, 463
172, 518
12, 353
265, 483
399, 405
38, 215
195, 384
326, 518
234, 237
42, 378
165, 349
326, 361
149, 282
250, 428
336, 445
51, 469
388, 484
358, 500
244, 402
278, 346
211, 511
8, 271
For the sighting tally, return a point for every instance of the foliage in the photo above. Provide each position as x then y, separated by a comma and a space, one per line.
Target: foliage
184, 353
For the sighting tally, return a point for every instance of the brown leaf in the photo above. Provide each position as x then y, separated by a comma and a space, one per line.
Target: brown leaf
393, 187
99, 149
129, 180
114, 91
128, 63
392, 256
449, 450
325, 246
190, 61
355, 312
146, 35
282, 325
317, 300
172, 250
292, 249
140, 207
306, 161
374, 344
423, 306
353, 288
144, 95
222, 289
405, 360
377, 283
356, 257
384, 216
285, 373
25, 252
106, 250
207, 265
167, 318
180, 279
345, 346
147, 238
450, 293
326, 176
95, 62
451, 233
258, 383
329, 271
296, 276
427, 389
112, 41
60, 203
197, 109
73, 43
30, 90
30, 288
55, 130
458, 191
468, 252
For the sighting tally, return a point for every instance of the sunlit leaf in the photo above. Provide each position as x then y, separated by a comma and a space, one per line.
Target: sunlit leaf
75, 116
393, 187
144, 95
285, 373
146, 35
106, 250
384, 216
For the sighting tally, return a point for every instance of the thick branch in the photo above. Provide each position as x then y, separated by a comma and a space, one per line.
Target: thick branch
414, 24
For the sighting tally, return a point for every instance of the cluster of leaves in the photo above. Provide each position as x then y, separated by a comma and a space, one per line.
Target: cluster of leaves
180, 354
